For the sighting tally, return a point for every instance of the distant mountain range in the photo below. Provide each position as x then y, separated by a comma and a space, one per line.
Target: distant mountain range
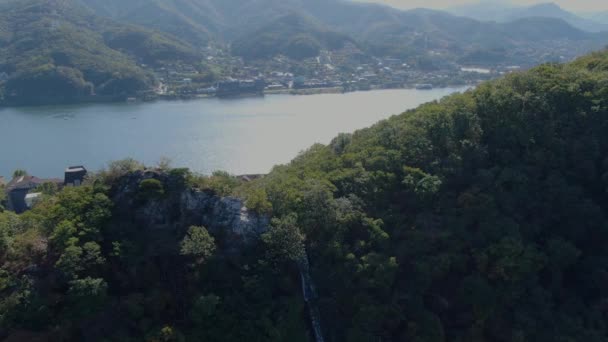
501, 11
57, 48
381, 30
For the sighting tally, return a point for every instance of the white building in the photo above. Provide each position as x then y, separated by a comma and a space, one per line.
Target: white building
30, 199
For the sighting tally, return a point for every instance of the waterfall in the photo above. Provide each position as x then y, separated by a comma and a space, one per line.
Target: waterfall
310, 296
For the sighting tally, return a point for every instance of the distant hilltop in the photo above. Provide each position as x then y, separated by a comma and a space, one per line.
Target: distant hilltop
112, 50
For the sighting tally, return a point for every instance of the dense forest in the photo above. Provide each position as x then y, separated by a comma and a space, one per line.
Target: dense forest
480, 217
294, 35
59, 51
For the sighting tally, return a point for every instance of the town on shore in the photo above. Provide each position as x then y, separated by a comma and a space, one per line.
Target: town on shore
330, 72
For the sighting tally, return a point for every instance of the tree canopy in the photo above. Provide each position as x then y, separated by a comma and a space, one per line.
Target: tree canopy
479, 217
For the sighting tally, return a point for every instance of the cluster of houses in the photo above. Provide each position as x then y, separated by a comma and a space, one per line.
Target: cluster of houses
233, 87
348, 68
22, 191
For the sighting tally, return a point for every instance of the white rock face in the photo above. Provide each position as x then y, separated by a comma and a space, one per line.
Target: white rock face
227, 218
228, 214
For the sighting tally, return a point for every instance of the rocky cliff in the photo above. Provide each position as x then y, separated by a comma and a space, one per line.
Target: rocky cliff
177, 206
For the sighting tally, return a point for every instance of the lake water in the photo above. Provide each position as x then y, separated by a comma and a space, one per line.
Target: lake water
241, 136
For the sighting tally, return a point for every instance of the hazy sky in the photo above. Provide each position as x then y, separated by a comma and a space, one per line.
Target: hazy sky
572, 5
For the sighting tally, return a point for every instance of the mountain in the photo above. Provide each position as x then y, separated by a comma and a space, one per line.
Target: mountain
552, 10
521, 42
58, 51
503, 12
149, 47
479, 217
197, 21
293, 35
489, 10
193, 21
381, 30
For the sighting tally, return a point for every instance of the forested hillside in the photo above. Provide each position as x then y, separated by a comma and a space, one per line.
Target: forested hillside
381, 30
480, 217
58, 51
62, 51
294, 35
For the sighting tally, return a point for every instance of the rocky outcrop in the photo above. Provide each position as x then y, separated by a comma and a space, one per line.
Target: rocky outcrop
227, 215
179, 207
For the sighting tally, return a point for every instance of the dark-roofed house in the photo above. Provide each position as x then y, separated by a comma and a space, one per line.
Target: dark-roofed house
74, 175
18, 188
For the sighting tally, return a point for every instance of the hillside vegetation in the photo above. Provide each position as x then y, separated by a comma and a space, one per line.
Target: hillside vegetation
191, 20
480, 217
381, 30
293, 35
57, 51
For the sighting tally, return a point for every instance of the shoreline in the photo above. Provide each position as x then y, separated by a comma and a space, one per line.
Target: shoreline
166, 98
187, 131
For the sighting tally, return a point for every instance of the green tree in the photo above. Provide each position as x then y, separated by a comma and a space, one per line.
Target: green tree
87, 295
198, 243
119, 168
204, 308
19, 173
257, 200
92, 255
70, 262
284, 241
221, 182
151, 189
420, 183
47, 188
62, 234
